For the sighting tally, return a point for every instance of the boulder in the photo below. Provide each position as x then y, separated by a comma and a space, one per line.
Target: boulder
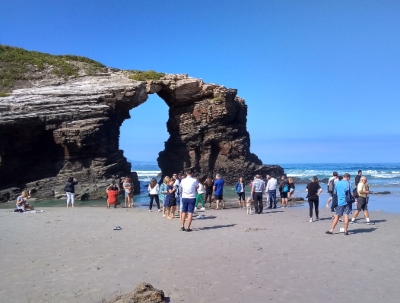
143, 293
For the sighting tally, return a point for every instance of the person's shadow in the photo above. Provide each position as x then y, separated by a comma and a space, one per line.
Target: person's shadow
361, 230
214, 227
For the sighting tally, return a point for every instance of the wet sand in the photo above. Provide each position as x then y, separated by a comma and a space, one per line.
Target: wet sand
74, 255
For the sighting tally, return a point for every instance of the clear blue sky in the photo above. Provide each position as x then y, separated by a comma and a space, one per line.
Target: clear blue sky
321, 78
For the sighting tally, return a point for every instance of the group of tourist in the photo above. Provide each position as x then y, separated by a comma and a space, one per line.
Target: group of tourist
185, 193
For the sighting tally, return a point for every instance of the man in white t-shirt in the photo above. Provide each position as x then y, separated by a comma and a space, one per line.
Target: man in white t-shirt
189, 191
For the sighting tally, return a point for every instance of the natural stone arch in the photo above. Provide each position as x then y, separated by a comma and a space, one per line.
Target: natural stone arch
52, 130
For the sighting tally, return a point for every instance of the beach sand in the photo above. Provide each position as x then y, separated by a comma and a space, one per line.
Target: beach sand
74, 255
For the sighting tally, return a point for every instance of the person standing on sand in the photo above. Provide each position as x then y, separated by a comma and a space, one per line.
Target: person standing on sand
154, 189
271, 190
70, 190
178, 192
170, 199
343, 208
218, 189
331, 189
128, 189
362, 204
240, 192
292, 188
283, 190
208, 186
189, 190
199, 196
163, 192
257, 190
313, 191
356, 182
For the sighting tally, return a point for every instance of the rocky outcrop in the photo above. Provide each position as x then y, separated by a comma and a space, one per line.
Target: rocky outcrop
143, 293
56, 129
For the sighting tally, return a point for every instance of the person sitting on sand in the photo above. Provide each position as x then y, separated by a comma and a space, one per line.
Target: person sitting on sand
163, 193
22, 203
112, 195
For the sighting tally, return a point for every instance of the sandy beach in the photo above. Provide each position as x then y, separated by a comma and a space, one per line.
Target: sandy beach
74, 255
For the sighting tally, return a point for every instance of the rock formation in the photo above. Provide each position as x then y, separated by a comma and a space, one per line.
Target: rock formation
55, 128
143, 293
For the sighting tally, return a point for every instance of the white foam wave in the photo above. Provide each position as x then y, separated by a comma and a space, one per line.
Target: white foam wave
147, 172
385, 176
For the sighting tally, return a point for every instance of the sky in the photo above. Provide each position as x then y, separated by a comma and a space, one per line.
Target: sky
321, 78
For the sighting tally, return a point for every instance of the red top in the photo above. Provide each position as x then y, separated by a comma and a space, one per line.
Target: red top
112, 196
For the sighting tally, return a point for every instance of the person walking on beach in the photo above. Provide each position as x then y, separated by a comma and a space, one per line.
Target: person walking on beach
163, 193
178, 192
283, 190
257, 189
313, 191
128, 189
240, 192
208, 186
271, 190
189, 190
199, 196
343, 208
70, 190
356, 182
362, 204
154, 189
218, 189
331, 191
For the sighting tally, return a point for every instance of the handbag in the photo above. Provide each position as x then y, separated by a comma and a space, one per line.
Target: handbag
349, 196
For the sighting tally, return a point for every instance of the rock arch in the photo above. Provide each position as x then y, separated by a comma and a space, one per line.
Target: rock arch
52, 130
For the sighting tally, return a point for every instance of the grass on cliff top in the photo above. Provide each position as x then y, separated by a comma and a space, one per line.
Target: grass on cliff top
145, 75
20, 64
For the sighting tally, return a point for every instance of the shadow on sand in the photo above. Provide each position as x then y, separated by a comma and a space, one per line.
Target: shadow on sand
214, 227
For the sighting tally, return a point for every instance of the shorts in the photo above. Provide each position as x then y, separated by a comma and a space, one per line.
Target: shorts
218, 197
362, 203
172, 202
283, 195
187, 205
241, 196
343, 210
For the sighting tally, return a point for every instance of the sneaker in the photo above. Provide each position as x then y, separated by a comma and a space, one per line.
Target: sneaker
329, 232
316, 219
353, 222
195, 208
183, 229
149, 210
159, 210
371, 223
346, 233
203, 208
341, 220
310, 220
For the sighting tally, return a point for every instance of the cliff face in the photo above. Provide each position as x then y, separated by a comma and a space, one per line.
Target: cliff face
56, 129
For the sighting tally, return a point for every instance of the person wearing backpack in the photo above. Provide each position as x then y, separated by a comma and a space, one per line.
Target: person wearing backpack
283, 190
331, 189
344, 192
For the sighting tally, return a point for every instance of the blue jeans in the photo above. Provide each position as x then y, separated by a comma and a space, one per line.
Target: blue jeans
272, 197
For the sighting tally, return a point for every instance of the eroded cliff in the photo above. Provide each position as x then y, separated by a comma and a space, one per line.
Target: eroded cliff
56, 127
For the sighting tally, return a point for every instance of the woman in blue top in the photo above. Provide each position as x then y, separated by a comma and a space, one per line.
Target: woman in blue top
240, 191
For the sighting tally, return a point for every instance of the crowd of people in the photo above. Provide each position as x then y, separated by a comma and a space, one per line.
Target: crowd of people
182, 194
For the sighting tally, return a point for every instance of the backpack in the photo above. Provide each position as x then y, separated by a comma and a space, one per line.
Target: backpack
331, 186
285, 188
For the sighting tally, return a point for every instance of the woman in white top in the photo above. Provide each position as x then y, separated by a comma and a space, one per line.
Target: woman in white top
199, 196
154, 190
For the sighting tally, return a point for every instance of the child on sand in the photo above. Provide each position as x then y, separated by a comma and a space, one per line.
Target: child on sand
163, 193
199, 196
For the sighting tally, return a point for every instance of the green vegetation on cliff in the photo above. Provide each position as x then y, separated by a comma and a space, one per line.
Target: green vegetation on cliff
20, 64
145, 75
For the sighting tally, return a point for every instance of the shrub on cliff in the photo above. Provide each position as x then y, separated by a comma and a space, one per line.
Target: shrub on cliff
20, 64
145, 75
